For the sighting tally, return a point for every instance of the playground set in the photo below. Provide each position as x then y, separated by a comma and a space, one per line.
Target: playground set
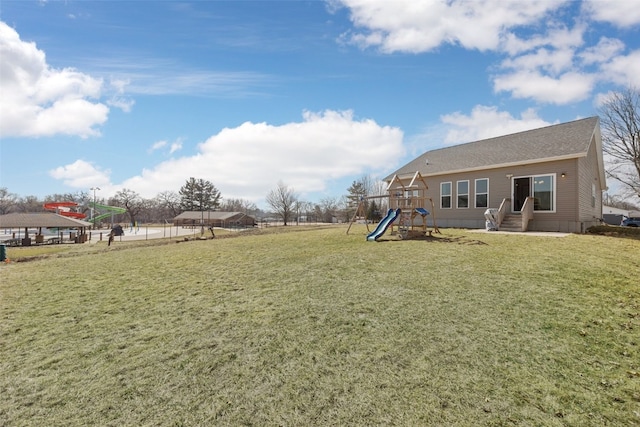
406, 204
99, 212
64, 209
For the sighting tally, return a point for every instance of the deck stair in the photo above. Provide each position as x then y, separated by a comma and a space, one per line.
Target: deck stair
512, 222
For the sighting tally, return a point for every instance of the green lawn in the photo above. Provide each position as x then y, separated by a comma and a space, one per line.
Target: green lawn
316, 327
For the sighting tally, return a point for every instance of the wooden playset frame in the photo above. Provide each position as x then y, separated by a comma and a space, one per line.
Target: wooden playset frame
412, 200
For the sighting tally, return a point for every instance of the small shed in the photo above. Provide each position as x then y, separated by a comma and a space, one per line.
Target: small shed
214, 219
38, 221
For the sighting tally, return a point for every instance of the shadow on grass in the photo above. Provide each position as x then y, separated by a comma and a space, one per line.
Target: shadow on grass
460, 240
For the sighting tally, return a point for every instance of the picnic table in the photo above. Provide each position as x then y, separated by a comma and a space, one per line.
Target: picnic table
13, 242
52, 239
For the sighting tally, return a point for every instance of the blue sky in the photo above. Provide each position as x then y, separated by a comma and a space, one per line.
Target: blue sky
315, 94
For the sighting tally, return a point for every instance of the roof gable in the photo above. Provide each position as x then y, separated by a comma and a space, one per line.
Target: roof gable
562, 141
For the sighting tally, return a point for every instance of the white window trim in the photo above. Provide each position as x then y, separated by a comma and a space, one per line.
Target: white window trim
475, 192
531, 190
554, 189
463, 194
450, 194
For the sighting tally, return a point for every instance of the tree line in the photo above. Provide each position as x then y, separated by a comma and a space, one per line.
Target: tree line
284, 202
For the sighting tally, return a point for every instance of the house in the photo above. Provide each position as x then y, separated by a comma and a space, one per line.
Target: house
214, 219
547, 179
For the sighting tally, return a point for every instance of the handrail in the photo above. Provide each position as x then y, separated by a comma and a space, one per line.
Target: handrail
502, 210
527, 212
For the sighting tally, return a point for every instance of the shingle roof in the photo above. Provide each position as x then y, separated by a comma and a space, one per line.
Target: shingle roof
21, 220
562, 141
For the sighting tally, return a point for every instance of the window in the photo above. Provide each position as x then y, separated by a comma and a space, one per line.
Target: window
593, 195
463, 194
445, 195
482, 193
543, 193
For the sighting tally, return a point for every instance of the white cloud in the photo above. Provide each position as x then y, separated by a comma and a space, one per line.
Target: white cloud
38, 100
421, 26
606, 49
556, 36
563, 89
487, 122
157, 145
617, 12
158, 78
247, 161
624, 70
173, 147
546, 59
118, 98
601, 98
82, 174
551, 61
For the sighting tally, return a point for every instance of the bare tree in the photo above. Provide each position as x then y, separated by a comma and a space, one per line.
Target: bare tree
283, 201
8, 201
328, 208
344, 210
79, 197
29, 204
169, 202
131, 201
616, 201
620, 124
238, 205
305, 210
380, 189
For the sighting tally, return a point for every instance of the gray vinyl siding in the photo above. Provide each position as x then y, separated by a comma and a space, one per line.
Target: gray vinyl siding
500, 188
588, 175
569, 205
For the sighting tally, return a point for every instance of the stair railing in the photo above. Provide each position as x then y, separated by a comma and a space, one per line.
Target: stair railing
502, 210
527, 212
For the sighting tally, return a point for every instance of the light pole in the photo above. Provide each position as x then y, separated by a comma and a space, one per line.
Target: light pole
93, 209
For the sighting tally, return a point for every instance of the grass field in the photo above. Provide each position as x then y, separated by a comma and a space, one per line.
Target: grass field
297, 327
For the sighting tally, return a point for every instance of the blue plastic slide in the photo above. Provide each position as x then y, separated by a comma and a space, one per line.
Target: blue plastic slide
384, 224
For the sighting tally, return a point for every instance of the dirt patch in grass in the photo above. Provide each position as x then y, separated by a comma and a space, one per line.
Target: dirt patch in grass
437, 238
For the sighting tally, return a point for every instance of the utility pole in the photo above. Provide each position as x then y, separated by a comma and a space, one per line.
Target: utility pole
93, 209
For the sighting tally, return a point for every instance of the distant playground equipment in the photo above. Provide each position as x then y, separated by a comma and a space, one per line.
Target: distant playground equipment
406, 204
64, 209
105, 212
